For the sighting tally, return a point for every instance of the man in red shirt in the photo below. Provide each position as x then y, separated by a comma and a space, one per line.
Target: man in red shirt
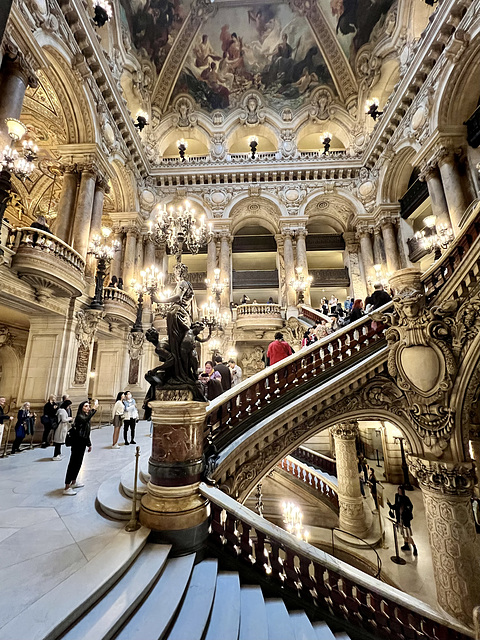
278, 349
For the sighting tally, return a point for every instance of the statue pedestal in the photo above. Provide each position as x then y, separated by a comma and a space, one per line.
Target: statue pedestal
173, 507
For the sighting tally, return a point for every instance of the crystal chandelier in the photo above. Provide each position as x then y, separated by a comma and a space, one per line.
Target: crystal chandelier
434, 237
18, 161
179, 228
211, 316
101, 249
292, 519
300, 284
217, 287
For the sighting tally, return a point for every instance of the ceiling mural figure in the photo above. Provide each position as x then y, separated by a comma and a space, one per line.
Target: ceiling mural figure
268, 48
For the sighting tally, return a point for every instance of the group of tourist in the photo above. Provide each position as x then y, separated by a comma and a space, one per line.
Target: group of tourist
219, 376
124, 413
353, 308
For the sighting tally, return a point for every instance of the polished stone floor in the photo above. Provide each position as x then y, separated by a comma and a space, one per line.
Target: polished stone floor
46, 536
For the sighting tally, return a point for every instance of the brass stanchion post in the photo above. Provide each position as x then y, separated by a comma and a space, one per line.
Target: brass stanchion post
133, 523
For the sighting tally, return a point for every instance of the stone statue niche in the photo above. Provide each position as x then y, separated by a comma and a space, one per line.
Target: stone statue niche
176, 378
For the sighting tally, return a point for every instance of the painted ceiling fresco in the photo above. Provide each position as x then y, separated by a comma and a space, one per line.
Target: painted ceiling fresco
263, 47
154, 25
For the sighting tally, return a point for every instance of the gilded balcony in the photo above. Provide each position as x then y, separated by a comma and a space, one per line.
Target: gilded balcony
47, 263
119, 306
259, 316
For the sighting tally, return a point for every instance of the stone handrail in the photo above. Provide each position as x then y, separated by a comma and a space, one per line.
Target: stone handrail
313, 314
324, 463
321, 580
312, 479
118, 295
48, 243
259, 309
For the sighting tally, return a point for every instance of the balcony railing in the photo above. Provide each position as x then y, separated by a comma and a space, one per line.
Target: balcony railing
26, 237
330, 277
255, 279
320, 581
260, 158
315, 481
324, 463
312, 314
413, 198
112, 294
255, 309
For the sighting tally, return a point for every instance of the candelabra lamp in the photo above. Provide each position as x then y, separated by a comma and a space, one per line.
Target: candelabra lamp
102, 12
211, 316
217, 287
379, 278
140, 290
141, 121
434, 237
300, 284
253, 144
152, 283
326, 139
182, 148
293, 521
103, 251
371, 108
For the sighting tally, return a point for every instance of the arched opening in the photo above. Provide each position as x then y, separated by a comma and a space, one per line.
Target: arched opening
254, 264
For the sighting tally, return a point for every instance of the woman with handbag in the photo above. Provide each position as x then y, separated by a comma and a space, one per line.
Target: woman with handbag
118, 412
48, 419
130, 418
402, 509
64, 424
25, 425
80, 440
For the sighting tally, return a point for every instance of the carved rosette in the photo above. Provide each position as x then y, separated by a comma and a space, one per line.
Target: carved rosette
446, 489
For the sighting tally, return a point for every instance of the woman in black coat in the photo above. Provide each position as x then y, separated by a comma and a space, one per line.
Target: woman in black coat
80, 441
25, 425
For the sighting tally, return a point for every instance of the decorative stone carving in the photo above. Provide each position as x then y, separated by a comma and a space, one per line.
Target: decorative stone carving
345, 430
252, 360
184, 108
135, 343
451, 478
218, 149
252, 114
292, 198
321, 100
217, 200
288, 147
6, 337
293, 332
87, 322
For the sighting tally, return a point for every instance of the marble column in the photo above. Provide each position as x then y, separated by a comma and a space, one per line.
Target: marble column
149, 258
66, 204
116, 263
129, 258
453, 189
139, 257
101, 188
83, 212
289, 271
211, 259
302, 260
358, 288
390, 244
352, 514
225, 269
438, 201
282, 286
446, 489
378, 253
15, 76
366, 248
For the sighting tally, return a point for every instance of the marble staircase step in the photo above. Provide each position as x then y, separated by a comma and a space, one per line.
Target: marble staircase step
112, 502
57, 610
303, 629
193, 616
110, 613
253, 615
323, 631
224, 621
278, 620
127, 477
156, 613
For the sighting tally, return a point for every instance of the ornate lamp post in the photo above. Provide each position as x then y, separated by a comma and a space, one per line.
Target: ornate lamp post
211, 316
217, 287
371, 108
253, 144
103, 251
182, 148
434, 237
300, 284
141, 121
152, 282
326, 139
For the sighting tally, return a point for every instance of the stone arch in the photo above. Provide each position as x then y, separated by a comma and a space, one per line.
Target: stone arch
465, 399
266, 131
336, 125
124, 191
257, 209
173, 133
11, 372
336, 208
396, 174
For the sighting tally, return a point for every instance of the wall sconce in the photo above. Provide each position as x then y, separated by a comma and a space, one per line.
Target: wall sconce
253, 143
103, 12
372, 108
182, 147
326, 139
142, 120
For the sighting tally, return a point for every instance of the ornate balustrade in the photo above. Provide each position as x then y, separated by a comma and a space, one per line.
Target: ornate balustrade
324, 463
119, 306
315, 481
261, 157
47, 263
259, 309
330, 277
312, 314
259, 316
321, 581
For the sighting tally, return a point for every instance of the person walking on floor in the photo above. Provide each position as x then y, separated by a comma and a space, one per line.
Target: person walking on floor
4, 417
403, 509
224, 371
372, 483
80, 442
25, 425
64, 422
130, 418
117, 417
49, 420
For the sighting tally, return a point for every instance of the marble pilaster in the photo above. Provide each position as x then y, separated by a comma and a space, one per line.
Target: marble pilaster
101, 188
352, 515
66, 204
438, 201
366, 249
390, 244
116, 263
453, 189
129, 258
447, 488
302, 260
211, 259
84, 208
149, 257
225, 269
289, 271
358, 288
139, 259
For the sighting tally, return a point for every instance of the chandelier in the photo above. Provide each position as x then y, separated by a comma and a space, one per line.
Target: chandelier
217, 287
292, 519
211, 316
179, 228
102, 12
101, 249
380, 277
18, 159
434, 237
300, 284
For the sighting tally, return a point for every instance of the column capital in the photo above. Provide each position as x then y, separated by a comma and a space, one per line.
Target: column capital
68, 168
444, 154
345, 430
387, 221
288, 233
301, 231
364, 231
18, 64
450, 478
428, 171
102, 183
89, 167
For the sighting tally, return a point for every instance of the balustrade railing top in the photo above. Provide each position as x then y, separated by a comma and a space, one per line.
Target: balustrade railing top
313, 314
319, 579
324, 463
311, 478
259, 309
46, 242
118, 295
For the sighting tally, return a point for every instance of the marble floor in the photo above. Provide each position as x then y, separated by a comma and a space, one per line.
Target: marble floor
46, 536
